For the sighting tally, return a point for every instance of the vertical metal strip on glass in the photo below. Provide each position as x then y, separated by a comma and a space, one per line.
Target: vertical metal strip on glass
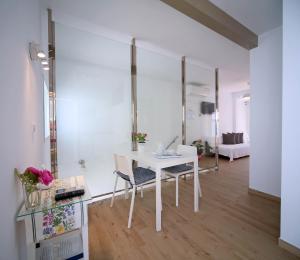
217, 117
133, 94
183, 85
52, 93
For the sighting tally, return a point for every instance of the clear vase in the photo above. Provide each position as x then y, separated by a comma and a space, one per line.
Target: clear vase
141, 147
32, 196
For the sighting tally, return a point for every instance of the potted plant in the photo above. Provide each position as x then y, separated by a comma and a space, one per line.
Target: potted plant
200, 147
208, 149
30, 178
140, 138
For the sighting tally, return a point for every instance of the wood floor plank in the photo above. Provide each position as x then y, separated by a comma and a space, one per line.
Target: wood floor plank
231, 223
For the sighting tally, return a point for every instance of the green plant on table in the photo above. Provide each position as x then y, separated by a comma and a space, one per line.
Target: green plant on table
140, 137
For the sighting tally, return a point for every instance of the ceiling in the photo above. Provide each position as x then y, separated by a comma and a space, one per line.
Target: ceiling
157, 23
257, 15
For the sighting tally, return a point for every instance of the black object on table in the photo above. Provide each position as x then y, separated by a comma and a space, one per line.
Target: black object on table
66, 194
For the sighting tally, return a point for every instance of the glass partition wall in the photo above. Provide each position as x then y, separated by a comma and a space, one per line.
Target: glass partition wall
94, 106
159, 99
201, 117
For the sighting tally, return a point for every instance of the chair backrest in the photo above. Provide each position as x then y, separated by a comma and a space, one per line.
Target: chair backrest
124, 165
186, 149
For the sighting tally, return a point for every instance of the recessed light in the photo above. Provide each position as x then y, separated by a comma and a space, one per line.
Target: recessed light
41, 54
46, 68
44, 62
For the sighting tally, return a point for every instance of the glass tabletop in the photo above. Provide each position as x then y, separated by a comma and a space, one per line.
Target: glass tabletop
47, 196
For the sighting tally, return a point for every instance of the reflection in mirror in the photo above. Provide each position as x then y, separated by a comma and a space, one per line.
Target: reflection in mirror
159, 101
46, 112
200, 113
93, 105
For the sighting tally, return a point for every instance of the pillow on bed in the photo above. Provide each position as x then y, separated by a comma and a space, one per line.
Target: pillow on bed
228, 138
236, 138
239, 138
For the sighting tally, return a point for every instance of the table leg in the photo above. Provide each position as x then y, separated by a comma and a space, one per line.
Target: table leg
85, 232
158, 199
29, 238
196, 186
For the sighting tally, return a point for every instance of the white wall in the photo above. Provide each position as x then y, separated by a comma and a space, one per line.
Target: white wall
159, 110
241, 113
233, 112
290, 191
242, 118
225, 111
93, 121
265, 118
21, 106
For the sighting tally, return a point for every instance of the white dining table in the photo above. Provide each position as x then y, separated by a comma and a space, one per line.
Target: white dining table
149, 159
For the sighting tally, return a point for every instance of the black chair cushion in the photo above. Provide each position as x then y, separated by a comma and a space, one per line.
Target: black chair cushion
141, 175
123, 176
179, 168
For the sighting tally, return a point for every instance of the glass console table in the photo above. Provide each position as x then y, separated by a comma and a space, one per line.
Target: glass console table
58, 229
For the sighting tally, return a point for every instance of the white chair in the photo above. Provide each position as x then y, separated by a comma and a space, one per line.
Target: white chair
178, 170
135, 177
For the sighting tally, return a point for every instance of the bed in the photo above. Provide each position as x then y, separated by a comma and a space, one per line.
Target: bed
234, 151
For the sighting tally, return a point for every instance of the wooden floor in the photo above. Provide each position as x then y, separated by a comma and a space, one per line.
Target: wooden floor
231, 224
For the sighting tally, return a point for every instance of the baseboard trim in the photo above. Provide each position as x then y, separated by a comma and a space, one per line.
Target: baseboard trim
287, 246
264, 195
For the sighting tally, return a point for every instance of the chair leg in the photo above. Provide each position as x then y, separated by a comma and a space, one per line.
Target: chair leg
177, 195
126, 190
113, 196
142, 192
131, 206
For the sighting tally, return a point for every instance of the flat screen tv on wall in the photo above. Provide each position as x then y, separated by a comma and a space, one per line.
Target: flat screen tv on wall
207, 108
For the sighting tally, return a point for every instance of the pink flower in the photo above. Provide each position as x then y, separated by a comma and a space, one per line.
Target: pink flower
34, 171
45, 177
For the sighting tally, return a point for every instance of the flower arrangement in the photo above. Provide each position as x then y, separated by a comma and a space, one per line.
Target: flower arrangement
29, 179
140, 137
32, 176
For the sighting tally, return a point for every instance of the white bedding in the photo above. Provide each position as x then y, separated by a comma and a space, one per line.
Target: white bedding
234, 151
